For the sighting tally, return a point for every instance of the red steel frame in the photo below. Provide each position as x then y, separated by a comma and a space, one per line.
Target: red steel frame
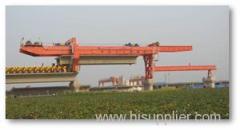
209, 68
75, 48
185, 68
148, 60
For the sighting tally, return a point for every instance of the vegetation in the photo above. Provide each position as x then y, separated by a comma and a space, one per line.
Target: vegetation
86, 105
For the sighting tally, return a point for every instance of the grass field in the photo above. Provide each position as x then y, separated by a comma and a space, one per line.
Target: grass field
86, 105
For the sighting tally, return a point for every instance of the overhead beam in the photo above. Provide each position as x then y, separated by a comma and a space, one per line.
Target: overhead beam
185, 68
72, 47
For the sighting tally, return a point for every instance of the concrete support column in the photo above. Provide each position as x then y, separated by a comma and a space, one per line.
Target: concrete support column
75, 85
148, 84
212, 85
210, 80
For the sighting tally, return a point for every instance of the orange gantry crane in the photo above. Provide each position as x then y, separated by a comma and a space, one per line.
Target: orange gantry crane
71, 47
74, 52
209, 81
116, 81
209, 68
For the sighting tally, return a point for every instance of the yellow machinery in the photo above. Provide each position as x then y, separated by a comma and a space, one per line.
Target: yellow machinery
36, 69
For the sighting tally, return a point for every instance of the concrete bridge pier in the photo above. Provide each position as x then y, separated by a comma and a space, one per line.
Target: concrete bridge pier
75, 85
210, 80
148, 84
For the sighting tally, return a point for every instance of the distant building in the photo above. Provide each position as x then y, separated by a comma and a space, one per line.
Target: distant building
34, 91
221, 84
218, 84
31, 91
159, 85
117, 89
84, 88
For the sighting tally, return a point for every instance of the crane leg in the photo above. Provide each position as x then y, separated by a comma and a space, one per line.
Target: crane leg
75, 58
148, 60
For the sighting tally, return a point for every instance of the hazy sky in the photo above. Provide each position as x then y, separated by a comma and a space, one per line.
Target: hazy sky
205, 28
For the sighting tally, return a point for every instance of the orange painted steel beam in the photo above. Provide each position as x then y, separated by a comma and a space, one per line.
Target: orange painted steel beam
185, 68
100, 50
74, 47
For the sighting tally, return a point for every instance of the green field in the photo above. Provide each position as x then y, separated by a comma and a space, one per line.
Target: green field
86, 105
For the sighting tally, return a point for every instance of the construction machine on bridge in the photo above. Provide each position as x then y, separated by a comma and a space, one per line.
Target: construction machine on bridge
70, 55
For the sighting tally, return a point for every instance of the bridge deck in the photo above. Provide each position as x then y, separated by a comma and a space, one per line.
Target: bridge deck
40, 77
98, 60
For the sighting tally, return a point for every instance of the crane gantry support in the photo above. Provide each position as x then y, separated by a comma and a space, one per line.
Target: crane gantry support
71, 47
71, 54
209, 81
208, 68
